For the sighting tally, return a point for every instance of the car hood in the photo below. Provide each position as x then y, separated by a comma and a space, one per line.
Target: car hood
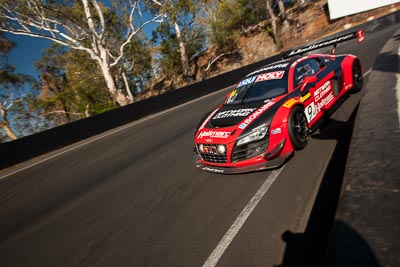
229, 115
230, 121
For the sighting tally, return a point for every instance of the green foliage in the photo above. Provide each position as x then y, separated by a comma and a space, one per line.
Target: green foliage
71, 83
27, 117
230, 17
14, 93
224, 24
84, 78
138, 64
169, 56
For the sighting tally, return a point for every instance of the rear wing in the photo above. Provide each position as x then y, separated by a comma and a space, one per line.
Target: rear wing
334, 41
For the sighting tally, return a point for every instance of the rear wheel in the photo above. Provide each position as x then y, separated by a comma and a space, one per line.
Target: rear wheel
357, 77
298, 128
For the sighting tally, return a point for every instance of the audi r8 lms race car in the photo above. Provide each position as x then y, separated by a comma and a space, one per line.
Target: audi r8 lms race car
272, 111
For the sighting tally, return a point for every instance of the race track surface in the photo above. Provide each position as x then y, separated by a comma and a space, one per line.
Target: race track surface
132, 197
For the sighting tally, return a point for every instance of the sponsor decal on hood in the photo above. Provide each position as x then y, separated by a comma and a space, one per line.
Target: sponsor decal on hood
229, 115
234, 113
214, 134
256, 114
241, 115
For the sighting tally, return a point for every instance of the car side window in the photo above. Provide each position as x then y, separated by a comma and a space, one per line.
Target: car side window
306, 68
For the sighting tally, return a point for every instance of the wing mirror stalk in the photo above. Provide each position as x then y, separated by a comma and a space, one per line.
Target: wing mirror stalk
309, 80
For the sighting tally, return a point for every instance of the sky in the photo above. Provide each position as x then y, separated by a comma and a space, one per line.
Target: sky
27, 51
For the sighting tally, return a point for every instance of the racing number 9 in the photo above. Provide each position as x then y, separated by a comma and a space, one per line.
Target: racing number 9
311, 112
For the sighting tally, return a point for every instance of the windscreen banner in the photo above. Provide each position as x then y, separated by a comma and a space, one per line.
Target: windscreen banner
341, 8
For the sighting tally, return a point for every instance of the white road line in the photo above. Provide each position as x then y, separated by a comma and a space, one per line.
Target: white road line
398, 90
112, 132
367, 72
227, 239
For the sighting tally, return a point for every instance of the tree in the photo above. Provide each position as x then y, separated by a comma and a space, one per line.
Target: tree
169, 55
84, 25
225, 21
12, 95
4, 122
179, 32
137, 69
280, 22
54, 97
274, 23
69, 83
5, 47
282, 10
228, 20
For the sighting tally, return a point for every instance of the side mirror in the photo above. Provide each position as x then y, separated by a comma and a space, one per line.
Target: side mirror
308, 80
228, 95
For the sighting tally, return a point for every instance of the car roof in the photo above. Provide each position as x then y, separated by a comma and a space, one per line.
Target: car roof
275, 66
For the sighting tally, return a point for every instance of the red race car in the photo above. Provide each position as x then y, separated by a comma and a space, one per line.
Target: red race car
272, 111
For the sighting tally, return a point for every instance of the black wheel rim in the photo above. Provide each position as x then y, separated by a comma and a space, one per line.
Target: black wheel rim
357, 76
300, 127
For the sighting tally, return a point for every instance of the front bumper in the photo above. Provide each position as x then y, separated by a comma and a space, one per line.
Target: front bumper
273, 158
270, 164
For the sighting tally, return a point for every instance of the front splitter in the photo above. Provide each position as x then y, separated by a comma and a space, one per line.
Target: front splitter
270, 164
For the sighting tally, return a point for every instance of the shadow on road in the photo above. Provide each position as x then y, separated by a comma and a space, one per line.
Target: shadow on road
387, 60
353, 251
309, 248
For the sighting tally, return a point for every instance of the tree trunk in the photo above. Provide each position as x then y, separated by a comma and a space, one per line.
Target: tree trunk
282, 10
100, 53
127, 87
282, 14
117, 94
274, 25
182, 49
8, 131
5, 125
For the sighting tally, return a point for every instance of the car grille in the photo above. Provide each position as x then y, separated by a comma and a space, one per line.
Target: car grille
211, 154
250, 150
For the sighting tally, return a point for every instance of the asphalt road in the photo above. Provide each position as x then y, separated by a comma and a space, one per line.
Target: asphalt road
366, 230
132, 197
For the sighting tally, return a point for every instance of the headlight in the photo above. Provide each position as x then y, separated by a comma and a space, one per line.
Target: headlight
221, 149
201, 148
256, 134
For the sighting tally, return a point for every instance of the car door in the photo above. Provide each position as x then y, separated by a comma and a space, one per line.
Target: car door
317, 92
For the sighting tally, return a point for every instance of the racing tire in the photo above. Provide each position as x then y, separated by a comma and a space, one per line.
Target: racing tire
298, 128
357, 77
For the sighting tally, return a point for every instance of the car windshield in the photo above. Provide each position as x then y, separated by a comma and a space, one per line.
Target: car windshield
257, 91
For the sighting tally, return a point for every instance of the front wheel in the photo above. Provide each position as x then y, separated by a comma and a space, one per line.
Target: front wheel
298, 128
357, 77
